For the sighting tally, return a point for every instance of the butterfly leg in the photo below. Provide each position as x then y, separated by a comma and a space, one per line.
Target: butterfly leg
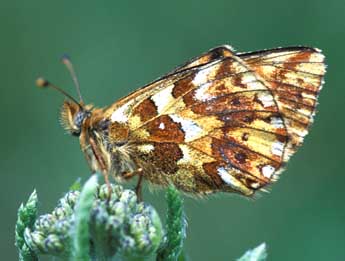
138, 187
102, 165
129, 175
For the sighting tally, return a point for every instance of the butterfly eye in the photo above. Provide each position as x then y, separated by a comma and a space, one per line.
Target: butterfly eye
79, 118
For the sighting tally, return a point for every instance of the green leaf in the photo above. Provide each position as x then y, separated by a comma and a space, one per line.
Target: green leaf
81, 236
175, 227
257, 254
26, 218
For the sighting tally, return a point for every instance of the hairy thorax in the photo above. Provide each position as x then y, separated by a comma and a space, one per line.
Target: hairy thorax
115, 155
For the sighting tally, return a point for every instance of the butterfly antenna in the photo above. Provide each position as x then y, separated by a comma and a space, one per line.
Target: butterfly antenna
66, 60
43, 83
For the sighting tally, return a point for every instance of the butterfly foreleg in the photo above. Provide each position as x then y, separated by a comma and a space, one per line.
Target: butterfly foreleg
138, 187
101, 164
139, 173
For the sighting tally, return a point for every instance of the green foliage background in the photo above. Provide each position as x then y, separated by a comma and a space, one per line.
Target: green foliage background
118, 46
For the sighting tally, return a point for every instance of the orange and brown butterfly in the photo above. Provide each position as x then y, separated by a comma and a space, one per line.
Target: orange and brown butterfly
222, 122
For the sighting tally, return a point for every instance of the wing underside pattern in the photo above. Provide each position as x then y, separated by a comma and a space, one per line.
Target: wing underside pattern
225, 122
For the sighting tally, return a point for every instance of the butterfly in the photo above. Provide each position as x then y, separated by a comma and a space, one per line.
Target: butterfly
222, 122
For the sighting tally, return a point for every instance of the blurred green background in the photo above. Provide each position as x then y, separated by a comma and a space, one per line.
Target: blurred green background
117, 46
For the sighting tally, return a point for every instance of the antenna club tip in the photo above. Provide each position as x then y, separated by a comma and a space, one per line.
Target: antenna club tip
41, 82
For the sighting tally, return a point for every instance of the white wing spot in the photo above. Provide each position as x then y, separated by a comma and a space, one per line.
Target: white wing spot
266, 99
268, 171
161, 126
201, 77
226, 177
255, 185
186, 156
121, 114
277, 148
233, 182
189, 127
277, 122
201, 93
163, 98
247, 78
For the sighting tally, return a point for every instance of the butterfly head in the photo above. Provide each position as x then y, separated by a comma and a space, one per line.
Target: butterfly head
73, 113
73, 117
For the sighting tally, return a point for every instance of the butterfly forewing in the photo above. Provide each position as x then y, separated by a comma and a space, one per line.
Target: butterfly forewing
295, 76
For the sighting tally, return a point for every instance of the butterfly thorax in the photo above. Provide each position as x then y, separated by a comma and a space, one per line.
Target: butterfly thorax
104, 143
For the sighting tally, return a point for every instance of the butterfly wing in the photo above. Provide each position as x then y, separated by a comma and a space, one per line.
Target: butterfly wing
211, 130
217, 53
295, 77
216, 123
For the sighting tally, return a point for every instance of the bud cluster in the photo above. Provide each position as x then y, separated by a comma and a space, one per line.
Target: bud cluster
118, 225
